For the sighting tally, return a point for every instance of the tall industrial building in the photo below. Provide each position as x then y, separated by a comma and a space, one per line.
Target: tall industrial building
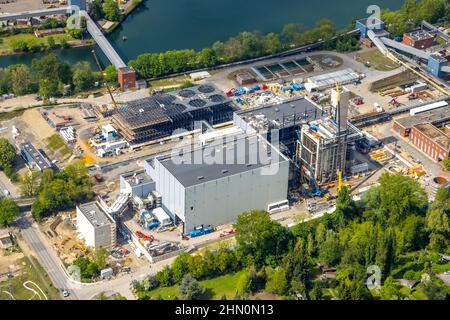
213, 184
326, 145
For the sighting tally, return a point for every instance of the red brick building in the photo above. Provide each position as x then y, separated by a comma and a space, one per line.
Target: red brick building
419, 39
431, 141
127, 78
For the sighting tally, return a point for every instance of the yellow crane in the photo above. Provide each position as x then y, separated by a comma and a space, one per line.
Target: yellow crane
339, 171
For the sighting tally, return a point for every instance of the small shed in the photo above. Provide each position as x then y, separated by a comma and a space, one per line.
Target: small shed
106, 273
245, 78
195, 76
5, 239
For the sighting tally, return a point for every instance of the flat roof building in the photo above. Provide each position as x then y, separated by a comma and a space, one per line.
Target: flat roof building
328, 80
137, 184
286, 117
431, 141
213, 184
436, 117
420, 39
33, 158
96, 226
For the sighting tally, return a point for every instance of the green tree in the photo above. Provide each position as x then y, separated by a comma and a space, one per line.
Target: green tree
9, 211
96, 10
190, 289
329, 250
101, 254
111, 10
260, 236
397, 197
316, 292
51, 42
83, 77
345, 208
7, 154
180, 267
165, 277
207, 57
22, 81
30, 183
277, 282
446, 164
297, 263
272, 43
244, 284
433, 291
110, 75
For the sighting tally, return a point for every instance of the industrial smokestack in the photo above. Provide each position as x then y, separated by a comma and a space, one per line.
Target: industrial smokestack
340, 101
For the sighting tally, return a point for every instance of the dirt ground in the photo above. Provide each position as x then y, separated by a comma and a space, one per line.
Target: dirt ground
37, 124
9, 262
24, 5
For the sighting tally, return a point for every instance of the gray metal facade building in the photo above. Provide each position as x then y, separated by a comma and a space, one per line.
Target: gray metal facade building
215, 194
138, 184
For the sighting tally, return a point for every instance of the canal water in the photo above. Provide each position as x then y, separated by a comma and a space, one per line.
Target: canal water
160, 25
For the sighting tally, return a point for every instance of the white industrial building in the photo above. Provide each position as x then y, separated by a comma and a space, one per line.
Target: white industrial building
230, 178
96, 226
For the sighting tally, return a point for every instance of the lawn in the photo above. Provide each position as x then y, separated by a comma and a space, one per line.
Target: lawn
56, 143
37, 276
6, 43
216, 288
169, 82
377, 60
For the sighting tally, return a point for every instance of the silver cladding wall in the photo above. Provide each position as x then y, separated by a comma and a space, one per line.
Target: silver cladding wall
220, 201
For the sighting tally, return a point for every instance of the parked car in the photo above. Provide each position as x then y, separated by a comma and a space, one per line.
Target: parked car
65, 293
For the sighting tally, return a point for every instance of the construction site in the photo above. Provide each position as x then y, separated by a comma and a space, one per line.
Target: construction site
159, 116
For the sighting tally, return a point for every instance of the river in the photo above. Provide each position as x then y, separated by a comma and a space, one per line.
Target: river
160, 25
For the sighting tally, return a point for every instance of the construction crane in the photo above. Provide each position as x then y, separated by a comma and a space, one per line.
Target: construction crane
339, 170
107, 85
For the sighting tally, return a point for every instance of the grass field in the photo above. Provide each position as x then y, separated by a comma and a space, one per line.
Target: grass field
393, 81
56, 143
30, 277
377, 60
6, 43
215, 288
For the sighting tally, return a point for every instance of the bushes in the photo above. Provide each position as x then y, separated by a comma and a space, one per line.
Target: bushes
190, 289
62, 190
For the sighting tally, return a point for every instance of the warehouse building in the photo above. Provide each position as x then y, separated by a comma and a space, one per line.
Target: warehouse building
213, 184
34, 159
431, 141
156, 117
96, 226
420, 39
328, 80
437, 117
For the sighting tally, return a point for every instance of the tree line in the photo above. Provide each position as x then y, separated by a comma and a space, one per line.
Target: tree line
245, 45
57, 191
49, 76
393, 227
413, 12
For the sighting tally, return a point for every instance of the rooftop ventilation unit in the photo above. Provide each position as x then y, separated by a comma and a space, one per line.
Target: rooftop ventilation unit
205, 88
187, 93
197, 103
216, 98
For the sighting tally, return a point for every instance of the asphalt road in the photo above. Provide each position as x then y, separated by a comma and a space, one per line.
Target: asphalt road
45, 255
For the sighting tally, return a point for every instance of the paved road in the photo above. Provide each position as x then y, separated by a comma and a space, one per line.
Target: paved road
45, 254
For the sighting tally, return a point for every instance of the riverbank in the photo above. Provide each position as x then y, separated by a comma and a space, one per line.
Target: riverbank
25, 43
129, 8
